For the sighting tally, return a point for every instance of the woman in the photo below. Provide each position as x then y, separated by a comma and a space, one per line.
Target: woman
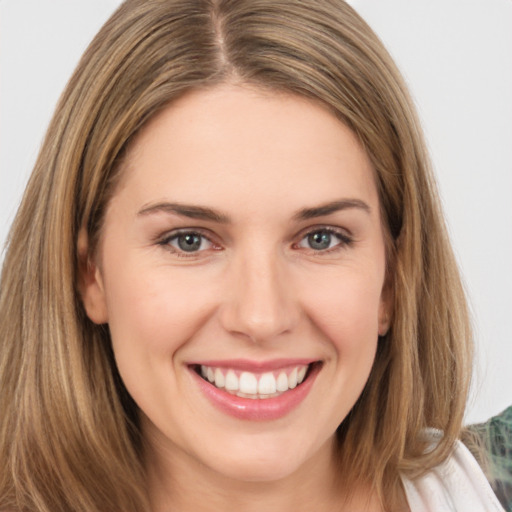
229, 279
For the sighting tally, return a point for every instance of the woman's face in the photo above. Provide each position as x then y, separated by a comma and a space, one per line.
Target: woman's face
241, 271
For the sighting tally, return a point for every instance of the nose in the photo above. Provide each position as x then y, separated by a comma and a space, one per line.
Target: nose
261, 304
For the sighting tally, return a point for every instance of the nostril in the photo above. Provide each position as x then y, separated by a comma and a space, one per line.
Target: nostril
260, 304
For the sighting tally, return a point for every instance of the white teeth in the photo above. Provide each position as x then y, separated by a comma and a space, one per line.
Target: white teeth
231, 381
248, 383
219, 378
267, 384
247, 395
292, 379
282, 382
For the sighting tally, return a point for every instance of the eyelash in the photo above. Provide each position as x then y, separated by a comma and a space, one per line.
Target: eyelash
344, 240
166, 242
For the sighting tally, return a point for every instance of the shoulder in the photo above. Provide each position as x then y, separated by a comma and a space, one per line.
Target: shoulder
495, 436
456, 485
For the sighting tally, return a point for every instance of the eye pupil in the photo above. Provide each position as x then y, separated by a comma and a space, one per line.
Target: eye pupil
319, 240
189, 242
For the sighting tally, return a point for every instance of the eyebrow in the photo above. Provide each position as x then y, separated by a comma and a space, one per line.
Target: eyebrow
332, 207
209, 214
186, 210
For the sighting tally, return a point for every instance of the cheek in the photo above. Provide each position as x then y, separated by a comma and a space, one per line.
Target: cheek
345, 307
155, 309
153, 312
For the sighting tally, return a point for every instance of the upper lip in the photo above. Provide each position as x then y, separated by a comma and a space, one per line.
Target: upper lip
254, 366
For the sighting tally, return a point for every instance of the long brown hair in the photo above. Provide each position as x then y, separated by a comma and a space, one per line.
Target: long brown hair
69, 438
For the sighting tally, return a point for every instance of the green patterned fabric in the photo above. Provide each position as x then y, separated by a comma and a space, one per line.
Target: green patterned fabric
496, 438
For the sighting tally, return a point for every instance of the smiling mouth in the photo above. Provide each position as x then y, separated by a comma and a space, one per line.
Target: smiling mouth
246, 384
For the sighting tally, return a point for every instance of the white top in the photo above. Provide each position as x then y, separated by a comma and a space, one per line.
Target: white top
456, 485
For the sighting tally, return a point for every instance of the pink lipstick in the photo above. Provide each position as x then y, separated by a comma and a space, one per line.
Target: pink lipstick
255, 391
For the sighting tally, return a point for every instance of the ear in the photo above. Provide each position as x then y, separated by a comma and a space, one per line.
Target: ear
384, 320
90, 282
386, 306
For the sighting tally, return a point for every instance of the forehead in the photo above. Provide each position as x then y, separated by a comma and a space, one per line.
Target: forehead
250, 144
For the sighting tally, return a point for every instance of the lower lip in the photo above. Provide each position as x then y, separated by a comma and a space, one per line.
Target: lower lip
260, 409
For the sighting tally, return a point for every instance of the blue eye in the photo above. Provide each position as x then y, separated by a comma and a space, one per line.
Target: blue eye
323, 240
188, 242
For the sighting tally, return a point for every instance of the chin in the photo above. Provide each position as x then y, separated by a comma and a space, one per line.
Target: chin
263, 460
259, 471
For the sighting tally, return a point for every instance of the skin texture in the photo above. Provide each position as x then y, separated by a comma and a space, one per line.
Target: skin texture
255, 289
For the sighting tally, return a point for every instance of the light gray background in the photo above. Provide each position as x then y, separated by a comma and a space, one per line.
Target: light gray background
457, 58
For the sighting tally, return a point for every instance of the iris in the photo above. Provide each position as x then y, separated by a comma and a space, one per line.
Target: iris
189, 242
320, 240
